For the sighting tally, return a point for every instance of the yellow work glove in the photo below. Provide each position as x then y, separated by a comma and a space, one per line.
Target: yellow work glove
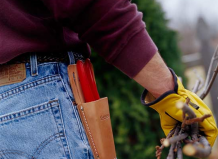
165, 105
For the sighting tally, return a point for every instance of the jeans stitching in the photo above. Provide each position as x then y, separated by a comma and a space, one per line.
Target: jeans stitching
79, 124
21, 88
28, 86
61, 129
28, 111
45, 143
54, 107
75, 112
80, 129
14, 152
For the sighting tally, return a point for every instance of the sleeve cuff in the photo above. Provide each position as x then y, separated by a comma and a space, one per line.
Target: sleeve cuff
138, 51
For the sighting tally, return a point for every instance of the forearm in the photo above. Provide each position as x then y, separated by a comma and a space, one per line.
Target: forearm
155, 76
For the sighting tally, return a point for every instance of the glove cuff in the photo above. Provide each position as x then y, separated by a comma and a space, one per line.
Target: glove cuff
147, 99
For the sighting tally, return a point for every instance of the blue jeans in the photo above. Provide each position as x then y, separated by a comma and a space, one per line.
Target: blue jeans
38, 119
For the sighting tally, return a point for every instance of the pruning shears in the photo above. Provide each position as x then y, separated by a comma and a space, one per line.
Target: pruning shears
87, 80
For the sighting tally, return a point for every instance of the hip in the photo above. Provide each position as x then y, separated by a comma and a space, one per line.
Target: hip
38, 118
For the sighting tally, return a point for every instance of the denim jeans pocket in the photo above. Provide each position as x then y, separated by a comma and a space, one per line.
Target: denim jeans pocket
21, 138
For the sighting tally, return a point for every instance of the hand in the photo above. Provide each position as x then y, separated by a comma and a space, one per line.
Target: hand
165, 105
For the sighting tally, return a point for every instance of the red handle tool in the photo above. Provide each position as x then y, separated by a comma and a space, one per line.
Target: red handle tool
87, 80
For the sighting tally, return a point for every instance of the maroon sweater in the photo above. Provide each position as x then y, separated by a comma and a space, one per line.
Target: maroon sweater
113, 28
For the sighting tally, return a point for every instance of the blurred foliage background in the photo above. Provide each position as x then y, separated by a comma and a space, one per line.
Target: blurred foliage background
136, 128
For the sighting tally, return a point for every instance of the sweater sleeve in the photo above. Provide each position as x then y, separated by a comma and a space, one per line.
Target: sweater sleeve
113, 28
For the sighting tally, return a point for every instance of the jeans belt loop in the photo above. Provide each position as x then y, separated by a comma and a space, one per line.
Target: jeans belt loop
71, 58
33, 64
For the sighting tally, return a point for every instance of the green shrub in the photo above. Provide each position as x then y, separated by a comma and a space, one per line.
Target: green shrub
136, 128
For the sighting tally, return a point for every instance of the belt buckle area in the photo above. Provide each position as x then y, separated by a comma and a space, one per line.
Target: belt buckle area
13, 73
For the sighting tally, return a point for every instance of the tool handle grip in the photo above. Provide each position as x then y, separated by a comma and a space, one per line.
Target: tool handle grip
85, 85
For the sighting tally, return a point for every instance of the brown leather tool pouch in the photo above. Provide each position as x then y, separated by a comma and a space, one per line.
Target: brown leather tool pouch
95, 117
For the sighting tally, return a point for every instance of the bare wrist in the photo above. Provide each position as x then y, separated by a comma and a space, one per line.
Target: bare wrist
155, 77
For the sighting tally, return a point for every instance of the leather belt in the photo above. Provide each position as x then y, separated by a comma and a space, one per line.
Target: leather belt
46, 57
41, 58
